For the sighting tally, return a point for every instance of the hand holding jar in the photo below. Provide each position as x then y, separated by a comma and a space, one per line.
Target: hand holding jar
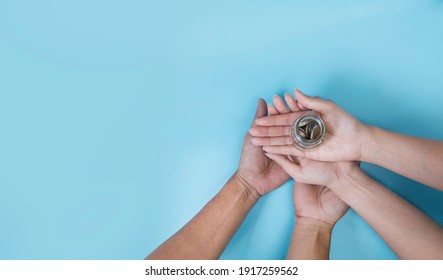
344, 135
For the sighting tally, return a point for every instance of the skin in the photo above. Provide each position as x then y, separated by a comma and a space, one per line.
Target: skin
209, 232
406, 230
349, 140
387, 213
317, 208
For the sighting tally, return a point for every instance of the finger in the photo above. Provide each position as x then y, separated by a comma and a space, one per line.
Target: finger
298, 185
297, 159
271, 110
284, 119
303, 108
292, 104
271, 141
291, 168
316, 104
284, 150
280, 105
268, 131
262, 111
294, 159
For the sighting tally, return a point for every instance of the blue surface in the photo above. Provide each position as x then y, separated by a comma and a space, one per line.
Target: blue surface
120, 119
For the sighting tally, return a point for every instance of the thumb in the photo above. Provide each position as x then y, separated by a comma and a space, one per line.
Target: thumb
316, 104
262, 111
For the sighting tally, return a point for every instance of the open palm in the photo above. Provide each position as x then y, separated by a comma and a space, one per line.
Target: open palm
318, 203
259, 171
343, 139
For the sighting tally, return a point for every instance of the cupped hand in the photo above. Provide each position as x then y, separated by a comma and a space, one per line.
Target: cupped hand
314, 172
317, 205
343, 141
257, 172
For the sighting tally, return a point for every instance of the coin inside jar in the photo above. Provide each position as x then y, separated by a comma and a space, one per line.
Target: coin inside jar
308, 131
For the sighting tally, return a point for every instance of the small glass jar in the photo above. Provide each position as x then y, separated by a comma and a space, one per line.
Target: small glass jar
308, 131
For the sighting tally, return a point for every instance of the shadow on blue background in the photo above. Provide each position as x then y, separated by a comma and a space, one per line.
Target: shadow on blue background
121, 119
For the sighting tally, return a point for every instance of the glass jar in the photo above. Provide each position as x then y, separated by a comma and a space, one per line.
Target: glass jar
308, 131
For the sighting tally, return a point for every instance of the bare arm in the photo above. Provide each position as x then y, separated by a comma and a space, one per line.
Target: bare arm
209, 232
410, 233
309, 242
349, 140
317, 208
416, 158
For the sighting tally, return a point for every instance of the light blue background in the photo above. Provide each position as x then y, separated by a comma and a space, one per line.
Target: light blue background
120, 119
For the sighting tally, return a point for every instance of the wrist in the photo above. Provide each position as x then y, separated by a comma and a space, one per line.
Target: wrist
369, 143
310, 224
247, 191
310, 241
341, 171
344, 176
352, 186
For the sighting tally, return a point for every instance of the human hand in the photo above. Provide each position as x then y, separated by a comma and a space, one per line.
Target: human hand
257, 172
317, 205
317, 209
314, 172
343, 141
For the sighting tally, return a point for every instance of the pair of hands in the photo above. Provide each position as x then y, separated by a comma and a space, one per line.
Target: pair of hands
269, 157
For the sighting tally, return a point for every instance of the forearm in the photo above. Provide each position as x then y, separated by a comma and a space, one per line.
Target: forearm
309, 242
416, 158
409, 233
209, 232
